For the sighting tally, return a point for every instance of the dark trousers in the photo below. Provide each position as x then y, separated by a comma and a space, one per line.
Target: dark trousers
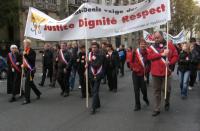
122, 62
83, 85
112, 79
139, 84
63, 81
55, 75
13, 83
159, 87
44, 74
95, 84
193, 76
29, 84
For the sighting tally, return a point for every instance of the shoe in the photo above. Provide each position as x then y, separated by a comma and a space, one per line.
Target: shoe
167, 107
183, 97
40, 84
26, 102
156, 113
62, 93
137, 108
38, 97
115, 90
190, 88
147, 102
93, 111
99, 106
83, 96
12, 99
66, 95
79, 87
52, 85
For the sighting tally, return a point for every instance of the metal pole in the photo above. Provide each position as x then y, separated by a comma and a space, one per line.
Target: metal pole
86, 73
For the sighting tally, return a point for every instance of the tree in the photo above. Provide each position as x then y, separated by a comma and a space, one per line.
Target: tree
9, 16
185, 15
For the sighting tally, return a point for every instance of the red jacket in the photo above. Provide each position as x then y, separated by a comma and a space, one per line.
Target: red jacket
129, 55
158, 67
136, 65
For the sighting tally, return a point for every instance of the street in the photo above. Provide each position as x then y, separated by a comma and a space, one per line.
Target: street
55, 113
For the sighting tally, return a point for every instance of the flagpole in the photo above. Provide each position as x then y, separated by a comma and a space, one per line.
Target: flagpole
86, 73
166, 69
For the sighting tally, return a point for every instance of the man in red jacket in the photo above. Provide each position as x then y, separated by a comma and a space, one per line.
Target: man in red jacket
157, 54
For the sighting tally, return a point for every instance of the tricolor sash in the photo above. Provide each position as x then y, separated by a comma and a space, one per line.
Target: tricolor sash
62, 57
163, 60
13, 62
90, 56
94, 72
140, 57
26, 64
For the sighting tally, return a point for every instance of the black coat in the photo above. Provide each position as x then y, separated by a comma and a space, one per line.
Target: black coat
62, 65
81, 63
184, 63
47, 58
96, 64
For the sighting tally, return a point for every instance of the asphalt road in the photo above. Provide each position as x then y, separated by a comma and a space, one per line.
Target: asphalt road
55, 113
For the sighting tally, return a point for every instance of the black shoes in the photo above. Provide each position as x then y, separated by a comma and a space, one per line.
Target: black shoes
156, 113
26, 102
167, 107
65, 94
93, 111
13, 99
146, 101
137, 108
40, 84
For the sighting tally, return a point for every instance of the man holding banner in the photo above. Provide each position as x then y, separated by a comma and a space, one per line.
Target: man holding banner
162, 56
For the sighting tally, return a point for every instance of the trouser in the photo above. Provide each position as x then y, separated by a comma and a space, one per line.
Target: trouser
50, 72
139, 84
72, 78
159, 87
184, 79
63, 81
29, 84
95, 91
122, 62
10, 80
55, 75
112, 79
16, 84
83, 85
193, 76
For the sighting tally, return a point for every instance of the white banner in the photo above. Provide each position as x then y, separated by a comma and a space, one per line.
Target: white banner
180, 38
97, 21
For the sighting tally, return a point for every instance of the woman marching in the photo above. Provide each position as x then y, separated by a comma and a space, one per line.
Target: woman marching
184, 69
14, 71
139, 68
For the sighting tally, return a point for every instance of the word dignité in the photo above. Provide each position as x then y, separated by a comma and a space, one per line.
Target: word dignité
94, 23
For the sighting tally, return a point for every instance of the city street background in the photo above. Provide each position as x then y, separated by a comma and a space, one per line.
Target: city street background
55, 113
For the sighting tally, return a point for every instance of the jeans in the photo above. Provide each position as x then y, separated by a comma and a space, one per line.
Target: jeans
184, 81
72, 78
199, 75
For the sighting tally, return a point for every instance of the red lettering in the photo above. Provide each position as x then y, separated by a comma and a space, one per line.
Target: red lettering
125, 19
152, 11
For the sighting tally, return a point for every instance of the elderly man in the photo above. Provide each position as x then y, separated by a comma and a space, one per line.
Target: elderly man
157, 54
28, 65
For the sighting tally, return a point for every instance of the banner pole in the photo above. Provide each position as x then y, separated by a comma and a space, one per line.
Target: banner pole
166, 69
86, 74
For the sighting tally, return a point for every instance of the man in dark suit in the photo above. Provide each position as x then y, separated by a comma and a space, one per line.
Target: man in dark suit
28, 65
64, 69
47, 62
95, 68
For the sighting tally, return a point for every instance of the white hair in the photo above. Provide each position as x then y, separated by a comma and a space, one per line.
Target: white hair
13, 46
